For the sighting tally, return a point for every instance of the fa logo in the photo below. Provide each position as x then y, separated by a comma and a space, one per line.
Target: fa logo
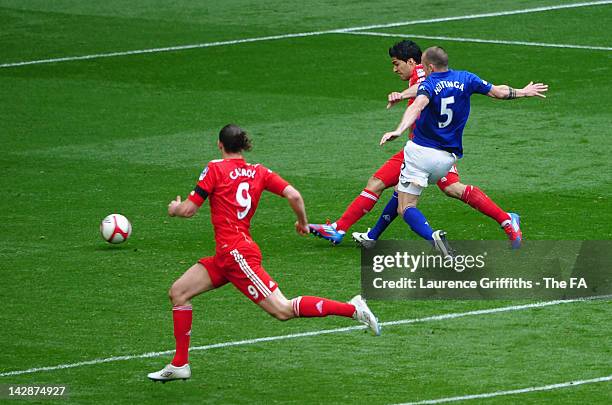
578, 282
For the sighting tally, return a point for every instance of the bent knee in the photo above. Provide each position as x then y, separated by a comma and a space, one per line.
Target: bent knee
455, 190
376, 185
283, 312
403, 207
177, 295
282, 315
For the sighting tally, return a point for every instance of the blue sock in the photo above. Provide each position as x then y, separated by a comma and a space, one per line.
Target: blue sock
418, 223
387, 216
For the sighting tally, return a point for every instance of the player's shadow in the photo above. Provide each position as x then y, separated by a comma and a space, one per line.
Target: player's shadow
114, 248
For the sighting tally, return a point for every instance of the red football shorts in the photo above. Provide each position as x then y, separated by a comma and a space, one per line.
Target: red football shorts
389, 172
451, 177
241, 267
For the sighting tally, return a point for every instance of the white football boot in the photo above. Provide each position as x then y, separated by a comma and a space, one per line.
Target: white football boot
363, 240
170, 373
441, 244
364, 315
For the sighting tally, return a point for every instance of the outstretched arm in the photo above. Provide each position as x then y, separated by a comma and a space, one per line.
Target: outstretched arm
505, 92
396, 97
185, 209
296, 202
410, 116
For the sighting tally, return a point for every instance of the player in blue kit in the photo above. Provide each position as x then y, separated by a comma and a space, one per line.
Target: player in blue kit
441, 110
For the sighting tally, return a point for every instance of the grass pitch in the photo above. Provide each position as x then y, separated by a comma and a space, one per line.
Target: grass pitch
82, 139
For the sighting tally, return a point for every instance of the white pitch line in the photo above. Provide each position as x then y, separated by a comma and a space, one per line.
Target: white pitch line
303, 334
485, 15
512, 392
481, 41
305, 34
165, 49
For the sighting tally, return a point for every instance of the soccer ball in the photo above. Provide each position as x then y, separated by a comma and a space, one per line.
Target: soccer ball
115, 228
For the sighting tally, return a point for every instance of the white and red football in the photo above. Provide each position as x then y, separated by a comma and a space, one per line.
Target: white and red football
115, 228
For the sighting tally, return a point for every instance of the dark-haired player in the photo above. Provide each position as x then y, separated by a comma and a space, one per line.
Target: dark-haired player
441, 110
233, 188
406, 60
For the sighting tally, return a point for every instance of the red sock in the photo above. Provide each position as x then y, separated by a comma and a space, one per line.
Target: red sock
181, 315
316, 307
480, 201
357, 209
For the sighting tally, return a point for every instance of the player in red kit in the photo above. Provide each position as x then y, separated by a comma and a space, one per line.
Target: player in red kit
233, 188
406, 60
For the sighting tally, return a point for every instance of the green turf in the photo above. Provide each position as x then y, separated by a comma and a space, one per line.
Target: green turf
40, 29
83, 139
572, 31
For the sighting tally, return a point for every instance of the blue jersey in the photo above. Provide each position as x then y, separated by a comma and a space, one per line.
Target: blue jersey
441, 123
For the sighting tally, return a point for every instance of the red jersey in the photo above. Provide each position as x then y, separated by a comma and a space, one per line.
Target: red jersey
417, 76
234, 187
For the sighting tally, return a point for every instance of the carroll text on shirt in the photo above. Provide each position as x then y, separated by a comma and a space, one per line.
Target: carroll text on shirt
242, 172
